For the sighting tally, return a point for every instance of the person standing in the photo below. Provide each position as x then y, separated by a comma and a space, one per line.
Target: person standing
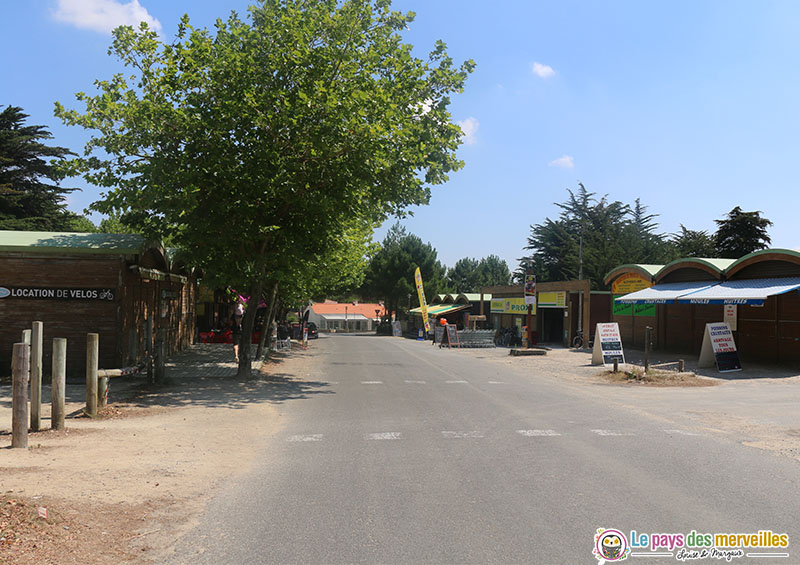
236, 328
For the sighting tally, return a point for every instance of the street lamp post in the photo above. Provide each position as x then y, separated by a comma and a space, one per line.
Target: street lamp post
346, 325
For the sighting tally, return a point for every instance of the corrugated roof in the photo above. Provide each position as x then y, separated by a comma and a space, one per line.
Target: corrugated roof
71, 242
365, 309
645, 270
439, 309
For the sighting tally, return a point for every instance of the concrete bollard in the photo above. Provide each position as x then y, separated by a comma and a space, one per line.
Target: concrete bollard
92, 354
20, 368
59, 384
36, 376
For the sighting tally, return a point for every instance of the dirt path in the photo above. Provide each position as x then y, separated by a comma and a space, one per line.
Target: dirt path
124, 487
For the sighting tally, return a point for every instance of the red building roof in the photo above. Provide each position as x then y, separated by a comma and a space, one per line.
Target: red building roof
365, 309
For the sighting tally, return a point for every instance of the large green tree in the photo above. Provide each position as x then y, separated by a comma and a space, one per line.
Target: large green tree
390, 273
590, 237
694, 243
469, 275
268, 137
31, 197
740, 233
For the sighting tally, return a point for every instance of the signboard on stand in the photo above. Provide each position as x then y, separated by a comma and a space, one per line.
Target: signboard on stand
719, 348
607, 345
397, 330
438, 335
452, 336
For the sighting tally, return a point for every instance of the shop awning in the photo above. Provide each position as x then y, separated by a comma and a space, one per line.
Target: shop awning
437, 310
664, 293
750, 291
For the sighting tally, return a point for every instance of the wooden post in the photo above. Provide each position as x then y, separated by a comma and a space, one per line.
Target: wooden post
59, 380
148, 345
92, 353
681, 365
161, 350
20, 367
648, 338
26, 337
102, 391
36, 376
616, 365
132, 346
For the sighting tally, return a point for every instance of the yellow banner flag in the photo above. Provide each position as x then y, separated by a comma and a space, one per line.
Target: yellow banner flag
423, 305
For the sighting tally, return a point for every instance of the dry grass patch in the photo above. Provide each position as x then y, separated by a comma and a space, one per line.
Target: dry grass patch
634, 375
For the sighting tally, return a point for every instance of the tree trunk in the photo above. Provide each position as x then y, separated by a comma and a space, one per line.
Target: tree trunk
247, 329
266, 328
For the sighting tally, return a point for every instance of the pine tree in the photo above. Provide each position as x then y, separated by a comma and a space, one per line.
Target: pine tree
30, 195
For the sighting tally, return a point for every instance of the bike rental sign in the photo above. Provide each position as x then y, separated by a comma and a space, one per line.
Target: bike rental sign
56, 293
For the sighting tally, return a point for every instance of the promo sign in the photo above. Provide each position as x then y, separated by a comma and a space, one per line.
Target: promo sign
719, 348
509, 306
423, 305
58, 293
530, 289
556, 299
629, 282
607, 345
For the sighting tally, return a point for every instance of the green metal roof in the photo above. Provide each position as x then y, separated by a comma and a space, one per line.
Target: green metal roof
647, 271
71, 242
473, 296
718, 265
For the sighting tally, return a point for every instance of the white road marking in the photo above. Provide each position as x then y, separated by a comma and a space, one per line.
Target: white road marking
681, 432
305, 437
415, 382
456, 382
496, 383
610, 433
371, 382
383, 435
459, 435
538, 433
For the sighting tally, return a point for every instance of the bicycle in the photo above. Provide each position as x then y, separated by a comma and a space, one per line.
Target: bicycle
578, 341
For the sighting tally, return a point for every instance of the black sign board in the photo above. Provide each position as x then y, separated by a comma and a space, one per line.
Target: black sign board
452, 336
728, 361
56, 293
438, 334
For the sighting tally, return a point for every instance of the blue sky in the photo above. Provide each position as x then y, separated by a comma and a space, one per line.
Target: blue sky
690, 106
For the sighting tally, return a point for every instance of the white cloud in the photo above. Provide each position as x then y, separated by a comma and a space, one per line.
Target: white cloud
542, 71
470, 128
104, 15
564, 162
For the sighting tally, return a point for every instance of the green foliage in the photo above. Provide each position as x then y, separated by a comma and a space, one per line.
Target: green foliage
114, 224
255, 147
740, 233
694, 243
29, 182
390, 274
469, 275
612, 234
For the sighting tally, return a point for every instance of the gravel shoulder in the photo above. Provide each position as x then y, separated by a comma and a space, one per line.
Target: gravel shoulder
123, 487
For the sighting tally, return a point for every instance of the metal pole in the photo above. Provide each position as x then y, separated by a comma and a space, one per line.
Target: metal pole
20, 367
36, 376
59, 379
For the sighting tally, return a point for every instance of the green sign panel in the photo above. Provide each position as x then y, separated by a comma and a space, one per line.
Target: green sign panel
633, 309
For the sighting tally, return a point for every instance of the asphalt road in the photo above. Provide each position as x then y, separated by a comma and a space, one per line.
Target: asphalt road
399, 452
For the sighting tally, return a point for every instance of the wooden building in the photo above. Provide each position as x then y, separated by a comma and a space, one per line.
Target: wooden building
79, 283
757, 295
